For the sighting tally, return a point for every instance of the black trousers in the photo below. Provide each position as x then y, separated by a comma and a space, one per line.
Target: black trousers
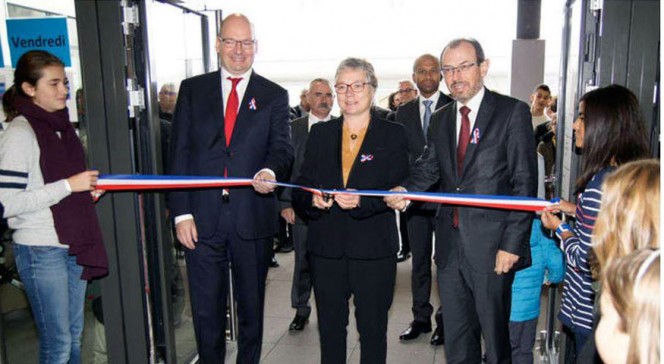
420, 231
371, 282
475, 304
207, 268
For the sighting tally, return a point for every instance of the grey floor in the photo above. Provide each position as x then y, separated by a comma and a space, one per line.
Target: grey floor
279, 345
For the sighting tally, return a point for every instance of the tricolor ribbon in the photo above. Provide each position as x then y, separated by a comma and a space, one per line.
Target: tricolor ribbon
157, 182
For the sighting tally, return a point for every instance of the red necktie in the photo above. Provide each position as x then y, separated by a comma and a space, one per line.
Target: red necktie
229, 119
231, 110
464, 138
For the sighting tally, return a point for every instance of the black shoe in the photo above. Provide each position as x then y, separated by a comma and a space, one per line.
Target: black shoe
273, 262
298, 323
438, 337
401, 257
414, 330
285, 248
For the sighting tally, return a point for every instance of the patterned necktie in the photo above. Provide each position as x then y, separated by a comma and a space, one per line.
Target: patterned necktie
427, 116
231, 110
464, 136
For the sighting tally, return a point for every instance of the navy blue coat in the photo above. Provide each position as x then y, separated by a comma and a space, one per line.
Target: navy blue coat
261, 139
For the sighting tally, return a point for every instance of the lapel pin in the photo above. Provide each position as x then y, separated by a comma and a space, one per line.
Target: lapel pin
252, 104
366, 158
476, 136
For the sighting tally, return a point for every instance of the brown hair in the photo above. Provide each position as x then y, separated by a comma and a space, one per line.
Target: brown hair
28, 69
633, 284
629, 217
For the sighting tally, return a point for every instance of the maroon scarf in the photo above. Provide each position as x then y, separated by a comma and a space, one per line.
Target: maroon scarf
60, 158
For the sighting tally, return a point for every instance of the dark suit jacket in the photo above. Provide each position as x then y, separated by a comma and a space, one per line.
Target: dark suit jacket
503, 162
366, 232
261, 139
408, 114
299, 134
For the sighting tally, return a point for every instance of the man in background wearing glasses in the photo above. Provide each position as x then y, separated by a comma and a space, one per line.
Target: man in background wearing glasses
479, 144
231, 123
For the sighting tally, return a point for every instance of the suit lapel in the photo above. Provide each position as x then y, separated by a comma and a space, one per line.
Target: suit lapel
216, 104
246, 111
450, 135
481, 124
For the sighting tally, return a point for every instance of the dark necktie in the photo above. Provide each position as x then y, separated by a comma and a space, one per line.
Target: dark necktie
464, 138
427, 116
231, 110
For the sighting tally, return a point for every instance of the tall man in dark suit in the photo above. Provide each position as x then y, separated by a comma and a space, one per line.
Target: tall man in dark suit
320, 99
233, 123
480, 144
415, 115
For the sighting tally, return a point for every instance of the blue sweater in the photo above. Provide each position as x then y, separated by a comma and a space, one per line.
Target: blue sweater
527, 286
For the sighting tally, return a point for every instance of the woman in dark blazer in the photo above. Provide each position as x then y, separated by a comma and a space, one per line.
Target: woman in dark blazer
352, 240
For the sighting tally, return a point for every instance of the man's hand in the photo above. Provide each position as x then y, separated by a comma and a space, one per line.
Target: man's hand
319, 201
289, 215
260, 182
396, 202
187, 233
505, 261
347, 201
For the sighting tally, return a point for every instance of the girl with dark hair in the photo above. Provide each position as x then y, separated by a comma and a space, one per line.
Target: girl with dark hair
610, 131
57, 239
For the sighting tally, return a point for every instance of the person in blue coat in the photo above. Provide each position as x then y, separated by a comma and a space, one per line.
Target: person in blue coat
547, 267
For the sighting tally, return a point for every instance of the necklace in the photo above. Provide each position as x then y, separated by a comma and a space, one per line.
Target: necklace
353, 136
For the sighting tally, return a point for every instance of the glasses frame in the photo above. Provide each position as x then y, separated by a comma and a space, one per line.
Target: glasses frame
462, 69
349, 86
244, 44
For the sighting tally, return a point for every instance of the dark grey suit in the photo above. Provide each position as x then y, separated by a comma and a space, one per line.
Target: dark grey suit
419, 220
500, 160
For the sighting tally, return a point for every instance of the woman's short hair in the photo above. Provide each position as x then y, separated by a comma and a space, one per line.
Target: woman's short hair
633, 284
358, 64
614, 131
629, 217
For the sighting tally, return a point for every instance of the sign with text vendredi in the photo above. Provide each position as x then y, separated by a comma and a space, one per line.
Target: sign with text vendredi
48, 34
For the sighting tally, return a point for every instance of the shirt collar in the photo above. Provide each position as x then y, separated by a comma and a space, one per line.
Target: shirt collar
434, 98
225, 74
474, 103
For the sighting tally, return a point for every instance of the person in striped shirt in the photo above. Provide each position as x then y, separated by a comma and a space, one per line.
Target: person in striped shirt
609, 130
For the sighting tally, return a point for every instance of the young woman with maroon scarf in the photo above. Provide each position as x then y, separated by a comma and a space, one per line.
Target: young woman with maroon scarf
45, 189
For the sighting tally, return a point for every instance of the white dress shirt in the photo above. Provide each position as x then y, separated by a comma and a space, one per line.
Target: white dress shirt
474, 106
313, 119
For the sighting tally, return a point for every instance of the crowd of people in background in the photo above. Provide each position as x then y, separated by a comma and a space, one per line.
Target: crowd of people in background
491, 265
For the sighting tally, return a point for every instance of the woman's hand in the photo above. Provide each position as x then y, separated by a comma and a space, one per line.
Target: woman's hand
347, 201
563, 206
550, 221
84, 181
321, 203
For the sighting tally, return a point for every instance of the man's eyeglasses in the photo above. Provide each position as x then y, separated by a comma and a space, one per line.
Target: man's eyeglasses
232, 43
406, 90
355, 87
462, 68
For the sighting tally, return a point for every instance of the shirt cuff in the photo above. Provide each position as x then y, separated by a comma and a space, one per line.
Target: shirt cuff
274, 176
67, 186
184, 217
